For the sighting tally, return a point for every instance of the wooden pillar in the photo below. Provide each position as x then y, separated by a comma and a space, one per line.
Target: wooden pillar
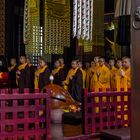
2, 27
135, 54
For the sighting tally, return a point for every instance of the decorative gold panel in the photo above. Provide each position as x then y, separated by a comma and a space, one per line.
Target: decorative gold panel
56, 26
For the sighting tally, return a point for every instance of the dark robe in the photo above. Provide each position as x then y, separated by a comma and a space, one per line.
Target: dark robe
44, 79
75, 86
63, 73
59, 77
24, 79
32, 78
12, 77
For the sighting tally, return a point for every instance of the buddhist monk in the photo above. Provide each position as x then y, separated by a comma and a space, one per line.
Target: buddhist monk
80, 65
102, 76
63, 69
113, 71
23, 74
126, 73
74, 81
118, 75
57, 73
42, 75
94, 67
12, 72
32, 74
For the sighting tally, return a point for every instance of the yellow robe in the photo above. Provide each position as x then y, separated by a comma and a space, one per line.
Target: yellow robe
37, 73
56, 70
113, 71
123, 82
20, 67
93, 78
70, 74
84, 76
102, 81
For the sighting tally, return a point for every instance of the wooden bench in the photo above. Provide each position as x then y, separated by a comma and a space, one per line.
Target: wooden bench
116, 134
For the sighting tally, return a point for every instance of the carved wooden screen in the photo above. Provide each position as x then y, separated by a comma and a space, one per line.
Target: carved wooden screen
2, 27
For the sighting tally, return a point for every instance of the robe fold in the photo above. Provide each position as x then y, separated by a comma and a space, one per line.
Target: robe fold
32, 74
113, 71
102, 79
123, 82
93, 78
12, 76
75, 86
58, 76
42, 78
23, 79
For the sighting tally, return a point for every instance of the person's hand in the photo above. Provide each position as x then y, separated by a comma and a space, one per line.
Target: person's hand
18, 72
122, 73
70, 77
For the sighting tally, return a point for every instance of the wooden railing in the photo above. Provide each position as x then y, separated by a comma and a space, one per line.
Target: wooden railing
24, 116
109, 110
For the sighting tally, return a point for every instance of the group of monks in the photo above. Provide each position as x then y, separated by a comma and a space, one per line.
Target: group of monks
99, 75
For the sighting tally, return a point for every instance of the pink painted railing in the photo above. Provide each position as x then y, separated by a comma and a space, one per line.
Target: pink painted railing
109, 110
24, 116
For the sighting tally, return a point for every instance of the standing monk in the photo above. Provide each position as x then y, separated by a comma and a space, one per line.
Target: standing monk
126, 74
113, 71
94, 67
56, 72
102, 76
42, 75
80, 65
74, 81
23, 74
12, 73
63, 69
32, 75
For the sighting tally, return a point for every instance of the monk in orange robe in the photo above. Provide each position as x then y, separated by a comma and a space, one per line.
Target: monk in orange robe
113, 71
94, 68
123, 75
102, 76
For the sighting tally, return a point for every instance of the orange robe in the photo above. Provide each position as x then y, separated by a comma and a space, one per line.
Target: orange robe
123, 82
113, 71
70, 74
93, 77
102, 80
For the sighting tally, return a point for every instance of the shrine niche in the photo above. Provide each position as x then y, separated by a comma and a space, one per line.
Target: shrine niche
2, 27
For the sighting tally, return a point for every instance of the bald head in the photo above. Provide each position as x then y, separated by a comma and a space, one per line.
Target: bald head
126, 62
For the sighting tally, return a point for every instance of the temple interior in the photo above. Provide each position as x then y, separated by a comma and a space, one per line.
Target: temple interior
69, 69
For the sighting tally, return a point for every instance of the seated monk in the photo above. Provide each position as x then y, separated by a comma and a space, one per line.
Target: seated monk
102, 76
12, 73
74, 81
42, 75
